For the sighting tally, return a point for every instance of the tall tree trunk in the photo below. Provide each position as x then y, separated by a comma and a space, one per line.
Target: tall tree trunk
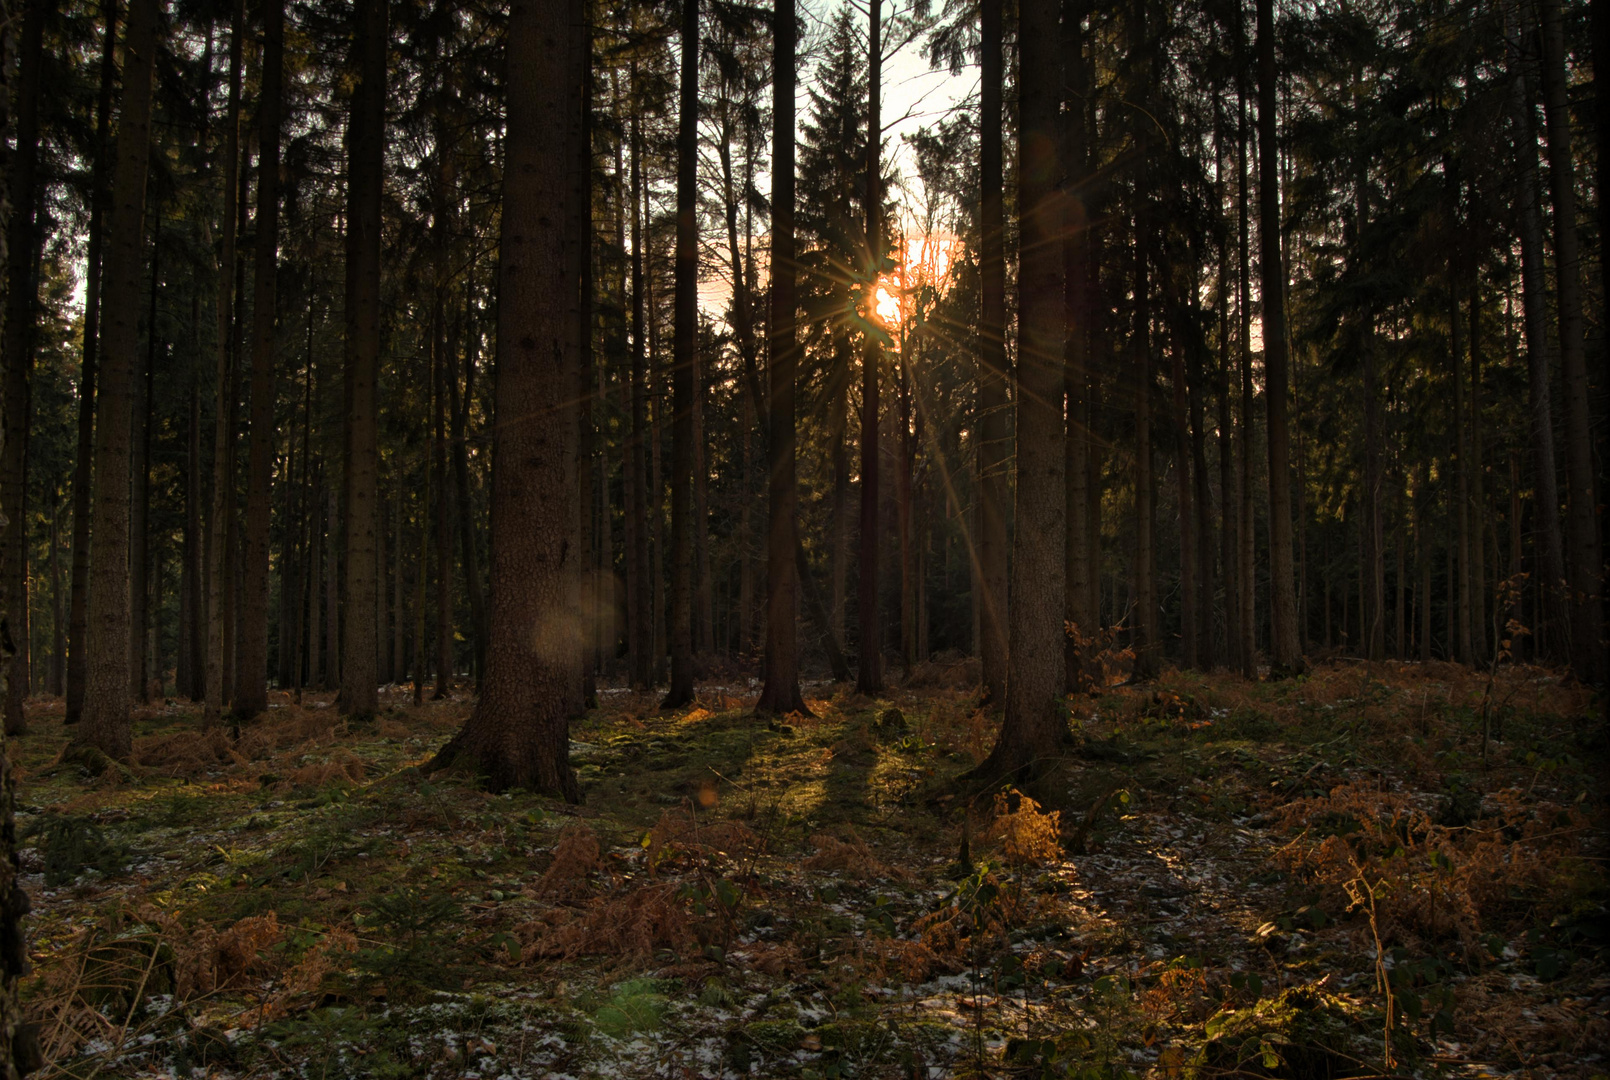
581, 249
366, 140
1034, 723
83, 460
1185, 498
19, 1051
1551, 552
1462, 617
838, 438
315, 586
17, 354
993, 434
1078, 611
332, 587
1145, 638
251, 689
1229, 653
683, 376
1589, 654
869, 673
470, 549
1246, 569
105, 721
518, 734
223, 496
1374, 614
1478, 500
781, 693
641, 578
55, 682
443, 347
399, 595
1288, 657
140, 481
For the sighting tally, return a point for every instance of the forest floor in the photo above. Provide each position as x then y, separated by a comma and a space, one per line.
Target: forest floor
1213, 881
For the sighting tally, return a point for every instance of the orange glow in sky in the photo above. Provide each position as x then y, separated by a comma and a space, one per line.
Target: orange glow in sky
888, 303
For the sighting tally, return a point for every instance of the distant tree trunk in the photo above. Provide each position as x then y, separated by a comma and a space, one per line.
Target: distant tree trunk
906, 449
105, 721
641, 578
140, 481
366, 141
1034, 724
1400, 631
993, 433
1246, 544
192, 627
251, 689
470, 549
219, 531
443, 347
1078, 611
420, 654
1589, 654
838, 437
386, 667
58, 623
399, 596
332, 587
1374, 614
581, 249
518, 734
1422, 545
1462, 618
1229, 653
683, 376
703, 594
1185, 498
1143, 561
1288, 656
869, 674
315, 586
83, 460
781, 693
1550, 548
1478, 500
17, 353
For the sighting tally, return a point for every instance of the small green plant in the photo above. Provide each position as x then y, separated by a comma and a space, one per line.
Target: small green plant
410, 925
71, 846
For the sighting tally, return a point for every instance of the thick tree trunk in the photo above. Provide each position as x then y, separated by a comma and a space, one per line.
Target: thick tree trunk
993, 435
781, 693
1589, 654
1034, 723
83, 461
869, 672
251, 688
1550, 575
366, 139
19, 1050
683, 376
105, 721
518, 734
1287, 646
219, 530
16, 355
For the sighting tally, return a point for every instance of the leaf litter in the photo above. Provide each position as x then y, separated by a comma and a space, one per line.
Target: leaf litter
1323, 876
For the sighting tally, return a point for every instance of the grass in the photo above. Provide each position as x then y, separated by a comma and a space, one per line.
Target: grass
1187, 892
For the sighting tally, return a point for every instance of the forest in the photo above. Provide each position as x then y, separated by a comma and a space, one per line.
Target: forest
848, 538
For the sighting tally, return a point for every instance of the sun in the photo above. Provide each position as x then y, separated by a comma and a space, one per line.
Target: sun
887, 303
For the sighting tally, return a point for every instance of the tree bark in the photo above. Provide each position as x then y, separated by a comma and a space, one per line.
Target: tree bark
683, 376
442, 346
781, 693
869, 672
1589, 655
1246, 568
140, 481
83, 461
366, 138
1035, 723
518, 734
1287, 650
1078, 610
251, 687
641, 626
219, 532
105, 721
993, 434
16, 355
1551, 619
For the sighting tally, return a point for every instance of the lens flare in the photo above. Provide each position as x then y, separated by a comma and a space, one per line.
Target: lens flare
887, 305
